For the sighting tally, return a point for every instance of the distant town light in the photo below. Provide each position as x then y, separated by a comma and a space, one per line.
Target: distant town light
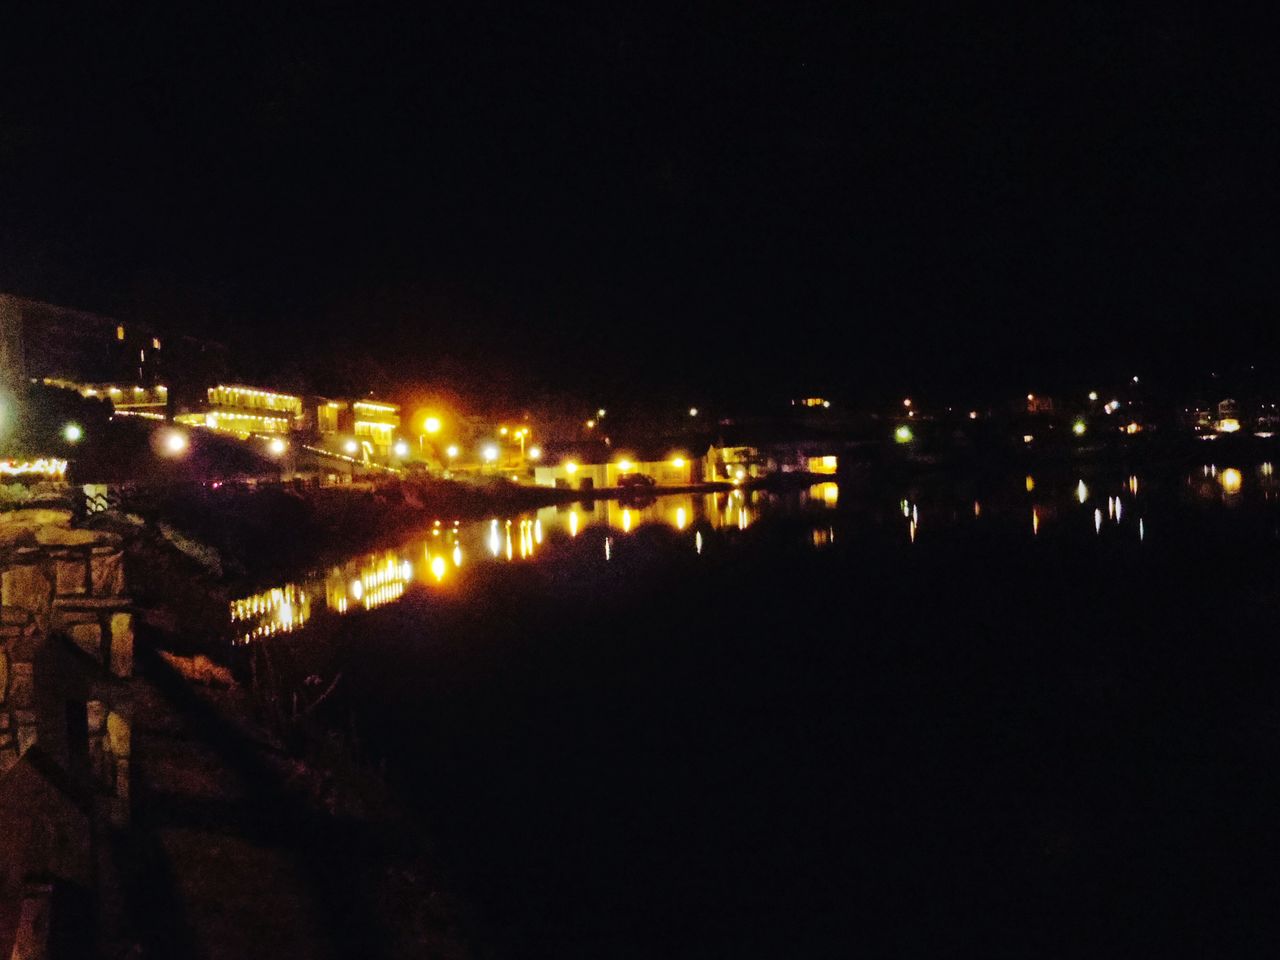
1228, 425
351, 446
571, 468
1031, 397
1078, 428
535, 453
600, 413
277, 446
401, 448
1135, 378
903, 434
625, 465
591, 424
502, 431
72, 432
1027, 438
693, 411
490, 453
906, 402
973, 414
175, 442
1093, 394
451, 451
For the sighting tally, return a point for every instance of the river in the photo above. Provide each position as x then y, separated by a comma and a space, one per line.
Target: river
982, 715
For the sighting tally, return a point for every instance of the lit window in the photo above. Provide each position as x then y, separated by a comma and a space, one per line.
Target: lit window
120, 332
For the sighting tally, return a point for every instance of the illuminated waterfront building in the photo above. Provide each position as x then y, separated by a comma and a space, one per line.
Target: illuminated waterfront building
244, 410
127, 399
372, 425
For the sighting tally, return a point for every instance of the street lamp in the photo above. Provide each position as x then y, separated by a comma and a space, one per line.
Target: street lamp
72, 432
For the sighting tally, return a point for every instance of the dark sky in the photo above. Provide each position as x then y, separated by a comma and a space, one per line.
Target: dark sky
717, 199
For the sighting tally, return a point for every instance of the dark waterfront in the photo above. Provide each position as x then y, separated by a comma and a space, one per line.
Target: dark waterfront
996, 717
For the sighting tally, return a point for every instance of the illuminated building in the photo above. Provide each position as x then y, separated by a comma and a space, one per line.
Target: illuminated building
377, 423
244, 410
595, 466
824, 464
338, 423
127, 399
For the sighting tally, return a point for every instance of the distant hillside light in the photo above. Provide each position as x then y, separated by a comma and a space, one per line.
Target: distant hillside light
903, 434
1093, 395
1078, 428
693, 411
72, 432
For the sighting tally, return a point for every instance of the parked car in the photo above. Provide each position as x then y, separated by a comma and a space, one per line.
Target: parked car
635, 481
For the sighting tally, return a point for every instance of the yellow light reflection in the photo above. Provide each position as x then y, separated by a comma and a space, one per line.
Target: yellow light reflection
1030, 483
828, 493
438, 567
1082, 492
573, 523
682, 518
1231, 480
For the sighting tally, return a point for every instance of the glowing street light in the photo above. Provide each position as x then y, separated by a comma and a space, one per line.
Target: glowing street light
535, 453
600, 413
903, 434
693, 411
351, 447
1078, 428
451, 451
175, 442
72, 432
571, 468
277, 446
625, 466
431, 425
490, 453
1093, 395
401, 448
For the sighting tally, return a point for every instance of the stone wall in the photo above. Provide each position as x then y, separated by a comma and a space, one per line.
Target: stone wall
66, 653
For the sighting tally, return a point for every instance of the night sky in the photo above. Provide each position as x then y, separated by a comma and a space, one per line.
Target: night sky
675, 199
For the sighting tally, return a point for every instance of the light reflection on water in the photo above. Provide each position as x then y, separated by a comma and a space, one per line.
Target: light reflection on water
823, 514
